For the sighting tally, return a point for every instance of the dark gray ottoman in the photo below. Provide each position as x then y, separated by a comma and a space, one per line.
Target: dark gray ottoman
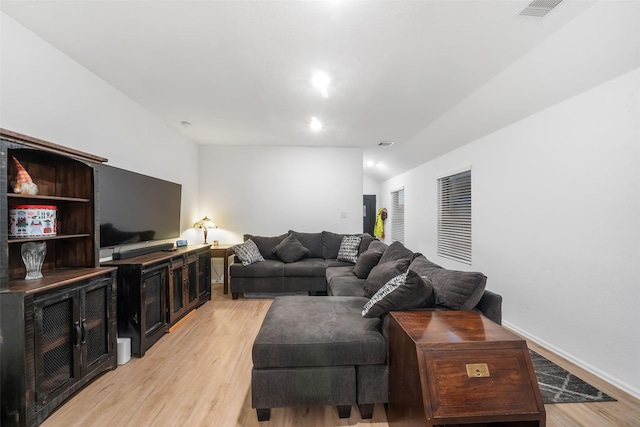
308, 353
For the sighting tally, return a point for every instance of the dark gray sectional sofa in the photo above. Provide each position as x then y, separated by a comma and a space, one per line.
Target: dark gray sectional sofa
304, 275
332, 350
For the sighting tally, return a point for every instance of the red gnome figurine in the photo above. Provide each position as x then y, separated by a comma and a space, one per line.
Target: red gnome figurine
24, 183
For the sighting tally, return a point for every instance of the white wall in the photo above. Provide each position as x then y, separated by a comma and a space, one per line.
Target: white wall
270, 190
45, 94
370, 186
556, 224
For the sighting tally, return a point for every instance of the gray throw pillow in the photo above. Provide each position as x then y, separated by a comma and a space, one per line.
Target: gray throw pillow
406, 291
290, 250
422, 265
367, 260
454, 290
395, 251
457, 290
248, 252
382, 273
367, 239
349, 248
331, 244
266, 244
311, 241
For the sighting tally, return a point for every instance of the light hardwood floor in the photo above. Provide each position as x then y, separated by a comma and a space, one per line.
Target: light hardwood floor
200, 375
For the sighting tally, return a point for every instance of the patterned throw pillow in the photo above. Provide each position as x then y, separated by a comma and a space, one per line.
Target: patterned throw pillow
248, 252
379, 296
349, 248
406, 291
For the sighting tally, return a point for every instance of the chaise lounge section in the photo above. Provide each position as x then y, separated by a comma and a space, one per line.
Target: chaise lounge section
309, 351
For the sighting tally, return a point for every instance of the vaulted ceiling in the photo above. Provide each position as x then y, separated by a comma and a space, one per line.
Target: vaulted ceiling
411, 72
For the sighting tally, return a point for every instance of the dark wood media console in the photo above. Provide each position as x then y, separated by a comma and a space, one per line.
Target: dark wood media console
156, 290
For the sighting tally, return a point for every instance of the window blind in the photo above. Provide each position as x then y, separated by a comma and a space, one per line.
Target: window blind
397, 215
454, 217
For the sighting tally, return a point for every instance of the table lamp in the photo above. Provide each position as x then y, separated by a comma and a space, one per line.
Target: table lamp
206, 224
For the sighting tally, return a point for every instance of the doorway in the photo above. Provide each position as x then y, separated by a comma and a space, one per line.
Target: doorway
368, 213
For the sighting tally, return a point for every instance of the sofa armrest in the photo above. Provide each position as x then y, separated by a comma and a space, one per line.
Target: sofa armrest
491, 306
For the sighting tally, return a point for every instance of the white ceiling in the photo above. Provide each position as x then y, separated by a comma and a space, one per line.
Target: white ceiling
239, 71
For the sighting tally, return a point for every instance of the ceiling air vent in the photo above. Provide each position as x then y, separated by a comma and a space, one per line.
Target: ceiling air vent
385, 143
539, 8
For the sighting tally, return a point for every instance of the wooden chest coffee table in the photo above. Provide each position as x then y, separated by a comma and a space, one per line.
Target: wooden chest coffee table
458, 367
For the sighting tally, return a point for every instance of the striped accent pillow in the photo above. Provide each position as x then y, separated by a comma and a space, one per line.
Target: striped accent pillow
349, 248
248, 252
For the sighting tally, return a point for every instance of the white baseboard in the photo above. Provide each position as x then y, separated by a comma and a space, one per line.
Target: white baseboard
627, 388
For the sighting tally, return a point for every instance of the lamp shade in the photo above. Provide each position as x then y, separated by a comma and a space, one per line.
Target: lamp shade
205, 223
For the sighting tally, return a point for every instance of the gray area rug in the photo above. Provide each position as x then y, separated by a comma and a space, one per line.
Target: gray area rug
557, 385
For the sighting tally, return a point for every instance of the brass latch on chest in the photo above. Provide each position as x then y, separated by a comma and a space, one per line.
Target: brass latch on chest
477, 370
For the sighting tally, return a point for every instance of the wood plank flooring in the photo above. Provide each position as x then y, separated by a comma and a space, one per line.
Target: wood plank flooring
200, 375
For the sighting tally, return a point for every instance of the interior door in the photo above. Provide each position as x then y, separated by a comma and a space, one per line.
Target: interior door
368, 213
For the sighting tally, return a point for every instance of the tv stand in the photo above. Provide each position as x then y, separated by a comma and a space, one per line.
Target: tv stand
156, 290
141, 251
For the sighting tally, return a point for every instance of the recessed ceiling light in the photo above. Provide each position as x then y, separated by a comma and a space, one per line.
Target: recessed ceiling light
320, 80
315, 124
385, 143
185, 123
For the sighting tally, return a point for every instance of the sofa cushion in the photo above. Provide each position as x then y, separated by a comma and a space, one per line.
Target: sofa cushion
248, 252
306, 267
290, 249
406, 291
421, 265
368, 259
349, 248
347, 286
457, 290
420, 283
331, 244
266, 244
338, 271
336, 263
383, 272
378, 245
342, 282
303, 331
454, 290
311, 241
395, 251
266, 268
367, 239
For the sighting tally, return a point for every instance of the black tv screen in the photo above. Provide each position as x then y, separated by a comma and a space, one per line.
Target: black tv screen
136, 208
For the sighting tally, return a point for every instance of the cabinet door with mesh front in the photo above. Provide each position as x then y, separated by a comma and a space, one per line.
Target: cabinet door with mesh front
57, 344
177, 301
192, 281
204, 277
94, 322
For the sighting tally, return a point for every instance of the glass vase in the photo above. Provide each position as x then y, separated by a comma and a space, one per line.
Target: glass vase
33, 254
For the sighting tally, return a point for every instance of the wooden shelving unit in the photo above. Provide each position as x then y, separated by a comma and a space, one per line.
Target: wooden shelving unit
57, 332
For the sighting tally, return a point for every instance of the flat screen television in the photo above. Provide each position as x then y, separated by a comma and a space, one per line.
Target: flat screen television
136, 208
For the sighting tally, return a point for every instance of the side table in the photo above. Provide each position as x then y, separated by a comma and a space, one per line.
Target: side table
458, 367
220, 251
